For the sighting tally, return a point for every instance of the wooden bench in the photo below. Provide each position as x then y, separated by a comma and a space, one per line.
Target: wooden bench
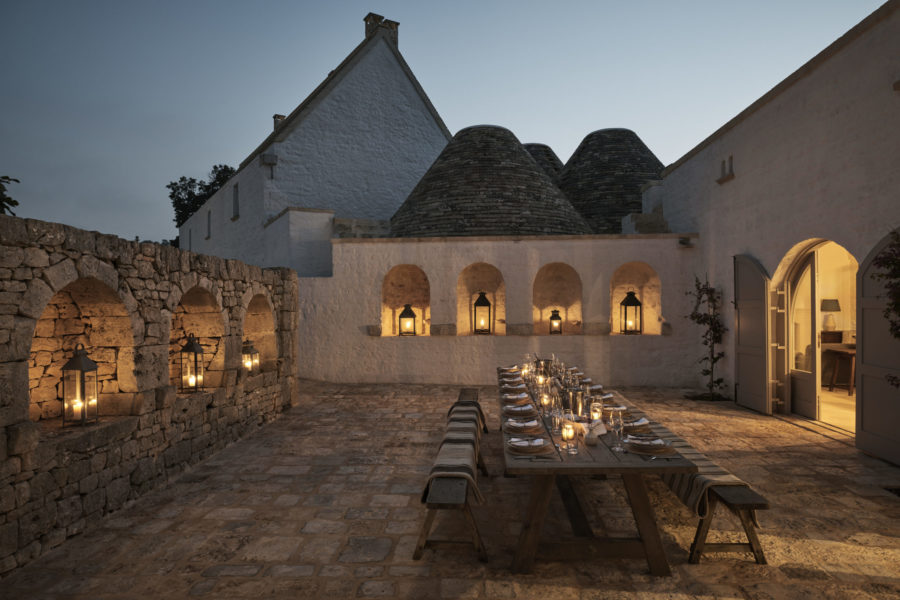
448, 493
741, 500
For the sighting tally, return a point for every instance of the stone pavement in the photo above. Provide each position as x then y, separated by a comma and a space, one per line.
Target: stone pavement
325, 503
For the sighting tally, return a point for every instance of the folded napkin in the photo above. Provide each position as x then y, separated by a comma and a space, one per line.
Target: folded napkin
515, 396
638, 423
509, 379
512, 369
614, 407
598, 428
521, 408
510, 386
597, 388
585, 380
521, 424
644, 441
606, 396
527, 442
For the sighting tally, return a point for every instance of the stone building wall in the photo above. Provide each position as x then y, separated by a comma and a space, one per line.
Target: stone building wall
130, 305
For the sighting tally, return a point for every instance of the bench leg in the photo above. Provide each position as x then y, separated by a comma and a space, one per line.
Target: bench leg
476, 537
750, 530
481, 466
702, 531
423, 536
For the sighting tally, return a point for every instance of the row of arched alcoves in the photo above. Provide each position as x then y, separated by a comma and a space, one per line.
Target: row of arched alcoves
556, 287
88, 312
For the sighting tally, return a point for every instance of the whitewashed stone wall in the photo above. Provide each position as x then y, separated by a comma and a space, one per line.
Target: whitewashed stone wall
816, 158
339, 316
64, 285
358, 151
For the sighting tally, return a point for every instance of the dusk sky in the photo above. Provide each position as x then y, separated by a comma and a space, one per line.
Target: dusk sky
104, 102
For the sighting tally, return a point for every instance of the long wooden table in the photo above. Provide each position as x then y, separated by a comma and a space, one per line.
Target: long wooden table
591, 460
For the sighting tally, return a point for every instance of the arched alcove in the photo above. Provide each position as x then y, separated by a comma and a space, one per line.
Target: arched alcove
86, 312
405, 284
199, 314
642, 279
557, 286
259, 327
476, 278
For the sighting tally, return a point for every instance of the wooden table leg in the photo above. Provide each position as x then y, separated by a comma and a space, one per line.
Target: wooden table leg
580, 525
646, 523
538, 502
852, 373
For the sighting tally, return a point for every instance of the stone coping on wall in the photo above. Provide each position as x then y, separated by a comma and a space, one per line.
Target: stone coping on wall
439, 330
518, 238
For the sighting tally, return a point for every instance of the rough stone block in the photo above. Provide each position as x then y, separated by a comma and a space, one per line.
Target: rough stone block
117, 493
36, 257
10, 257
22, 438
165, 397
93, 501
7, 498
42, 485
448, 329
93, 267
143, 471
9, 538
61, 274
68, 510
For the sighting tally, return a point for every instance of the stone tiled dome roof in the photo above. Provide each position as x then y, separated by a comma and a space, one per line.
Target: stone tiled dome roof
546, 159
485, 183
604, 176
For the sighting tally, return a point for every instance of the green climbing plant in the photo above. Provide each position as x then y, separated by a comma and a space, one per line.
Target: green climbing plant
707, 312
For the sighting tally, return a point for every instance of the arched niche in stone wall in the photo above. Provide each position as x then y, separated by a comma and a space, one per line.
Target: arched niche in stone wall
557, 286
642, 279
259, 327
405, 284
199, 314
88, 312
480, 277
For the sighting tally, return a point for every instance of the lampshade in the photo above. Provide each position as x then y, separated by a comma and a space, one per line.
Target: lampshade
830, 305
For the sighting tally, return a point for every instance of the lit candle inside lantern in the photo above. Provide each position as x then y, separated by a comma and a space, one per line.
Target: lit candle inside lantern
407, 324
545, 402
540, 380
248, 364
192, 380
481, 323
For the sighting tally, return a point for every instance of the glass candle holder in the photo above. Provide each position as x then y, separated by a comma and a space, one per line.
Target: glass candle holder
568, 436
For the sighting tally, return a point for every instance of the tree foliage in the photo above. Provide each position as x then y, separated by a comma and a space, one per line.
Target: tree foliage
188, 194
888, 261
6, 202
707, 312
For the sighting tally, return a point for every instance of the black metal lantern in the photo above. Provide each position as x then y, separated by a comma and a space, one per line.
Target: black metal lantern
631, 315
407, 320
555, 323
79, 377
191, 365
250, 357
482, 308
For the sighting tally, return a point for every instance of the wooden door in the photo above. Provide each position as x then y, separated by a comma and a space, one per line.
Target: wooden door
804, 340
878, 356
751, 324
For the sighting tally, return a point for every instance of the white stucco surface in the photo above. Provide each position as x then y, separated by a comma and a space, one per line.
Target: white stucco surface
336, 345
818, 159
356, 149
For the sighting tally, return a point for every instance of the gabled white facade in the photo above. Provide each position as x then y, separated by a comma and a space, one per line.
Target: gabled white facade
353, 149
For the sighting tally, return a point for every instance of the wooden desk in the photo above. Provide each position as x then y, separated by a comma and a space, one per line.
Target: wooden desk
842, 351
591, 460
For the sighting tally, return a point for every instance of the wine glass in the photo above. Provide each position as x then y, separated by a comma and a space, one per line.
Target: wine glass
617, 425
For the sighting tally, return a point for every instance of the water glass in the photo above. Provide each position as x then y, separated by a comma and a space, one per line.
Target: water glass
618, 426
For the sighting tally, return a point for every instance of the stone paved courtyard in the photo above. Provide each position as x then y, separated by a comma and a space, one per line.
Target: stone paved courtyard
325, 503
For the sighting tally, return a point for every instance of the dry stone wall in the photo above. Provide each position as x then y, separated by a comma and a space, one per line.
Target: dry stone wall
129, 304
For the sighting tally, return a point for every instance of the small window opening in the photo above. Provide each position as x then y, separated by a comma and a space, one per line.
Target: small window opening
235, 203
208, 224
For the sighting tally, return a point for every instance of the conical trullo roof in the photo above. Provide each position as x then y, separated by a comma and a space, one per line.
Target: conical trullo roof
485, 183
546, 159
604, 176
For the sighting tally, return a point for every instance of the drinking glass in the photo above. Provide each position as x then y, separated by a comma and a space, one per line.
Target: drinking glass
617, 426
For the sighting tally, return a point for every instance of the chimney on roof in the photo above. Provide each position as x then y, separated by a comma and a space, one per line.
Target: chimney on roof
277, 120
374, 21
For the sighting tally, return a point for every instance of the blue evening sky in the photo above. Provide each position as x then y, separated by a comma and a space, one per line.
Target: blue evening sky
104, 102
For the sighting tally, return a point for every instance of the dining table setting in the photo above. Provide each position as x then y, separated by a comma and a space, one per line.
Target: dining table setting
558, 425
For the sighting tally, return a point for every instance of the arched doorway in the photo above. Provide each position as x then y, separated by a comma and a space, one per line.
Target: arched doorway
815, 338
